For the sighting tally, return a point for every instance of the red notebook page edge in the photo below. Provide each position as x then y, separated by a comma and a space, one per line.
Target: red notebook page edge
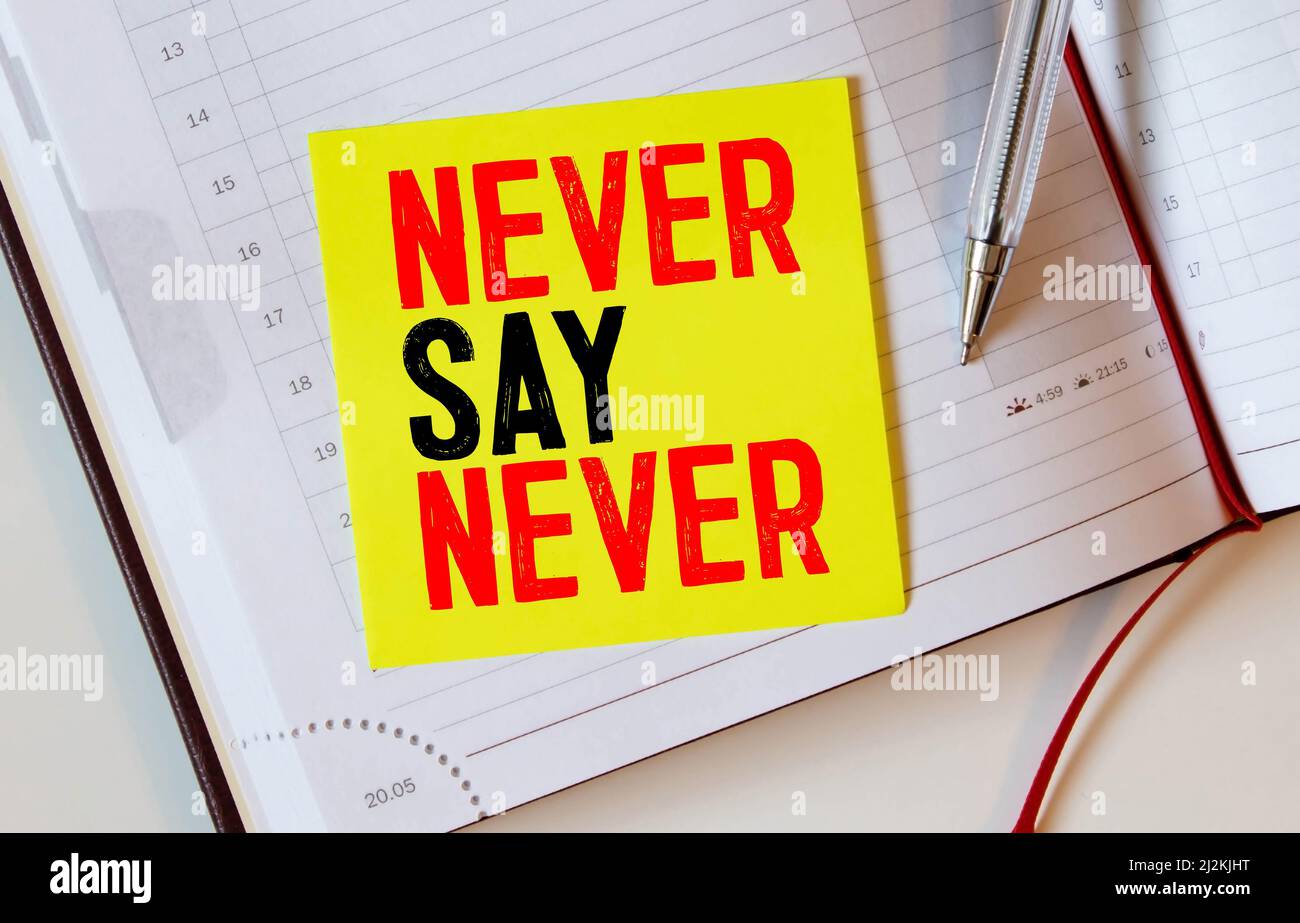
1225, 477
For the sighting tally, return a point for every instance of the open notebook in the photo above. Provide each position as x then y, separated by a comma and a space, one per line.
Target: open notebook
137, 131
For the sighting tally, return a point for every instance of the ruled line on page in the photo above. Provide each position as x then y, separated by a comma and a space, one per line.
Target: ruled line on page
500, 743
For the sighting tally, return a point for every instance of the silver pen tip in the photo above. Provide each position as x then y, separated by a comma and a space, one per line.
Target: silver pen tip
965, 353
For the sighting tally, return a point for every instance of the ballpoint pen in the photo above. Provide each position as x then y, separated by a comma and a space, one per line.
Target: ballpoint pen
1010, 148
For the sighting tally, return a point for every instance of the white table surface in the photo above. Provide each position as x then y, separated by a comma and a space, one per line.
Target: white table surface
1171, 740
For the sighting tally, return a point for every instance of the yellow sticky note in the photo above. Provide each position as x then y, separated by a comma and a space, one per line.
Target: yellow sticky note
607, 373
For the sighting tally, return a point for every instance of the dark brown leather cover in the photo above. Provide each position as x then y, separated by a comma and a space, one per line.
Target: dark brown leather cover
157, 633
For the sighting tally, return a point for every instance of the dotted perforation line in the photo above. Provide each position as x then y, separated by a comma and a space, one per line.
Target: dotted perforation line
347, 724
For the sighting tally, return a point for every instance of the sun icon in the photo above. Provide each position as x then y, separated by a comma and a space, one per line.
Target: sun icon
1018, 405
1082, 380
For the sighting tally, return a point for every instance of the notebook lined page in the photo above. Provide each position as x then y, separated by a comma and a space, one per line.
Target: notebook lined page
1203, 97
1063, 457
